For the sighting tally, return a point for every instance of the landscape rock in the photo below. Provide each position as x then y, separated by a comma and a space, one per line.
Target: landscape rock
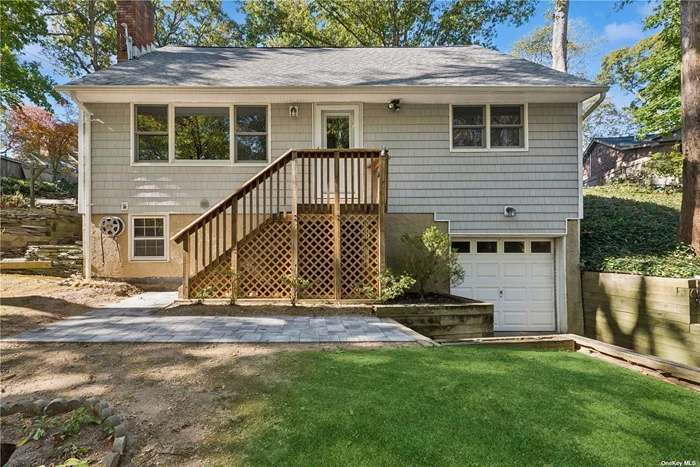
75, 404
119, 445
38, 406
119, 431
113, 420
56, 406
106, 413
112, 459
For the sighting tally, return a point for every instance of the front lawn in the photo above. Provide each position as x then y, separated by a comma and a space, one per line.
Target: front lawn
632, 229
454, 406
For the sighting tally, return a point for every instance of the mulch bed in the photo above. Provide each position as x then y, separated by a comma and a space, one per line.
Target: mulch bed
413, 298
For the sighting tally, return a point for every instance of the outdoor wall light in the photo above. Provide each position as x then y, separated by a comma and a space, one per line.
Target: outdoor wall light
394, 105
293, 111
509, 211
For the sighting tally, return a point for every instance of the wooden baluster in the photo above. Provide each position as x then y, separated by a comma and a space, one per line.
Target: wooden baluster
312, 179
196, 249
234, 246
186, 267
365, 175
285, 191
328, 182
303, 180
264, 199
250, 214
352, 182
216, 237
245, 231
223, 221
210, 224
336, 225
319, 179
345, 185
277, 211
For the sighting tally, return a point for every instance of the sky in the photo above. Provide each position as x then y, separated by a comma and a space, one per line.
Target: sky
613, 29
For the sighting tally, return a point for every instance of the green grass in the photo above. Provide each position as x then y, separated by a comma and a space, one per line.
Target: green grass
632, 229
455, 406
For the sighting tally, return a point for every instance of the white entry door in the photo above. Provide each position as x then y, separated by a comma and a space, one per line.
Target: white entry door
516, 275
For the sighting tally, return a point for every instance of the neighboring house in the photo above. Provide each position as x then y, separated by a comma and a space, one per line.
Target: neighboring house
621, 158
15, 168
278, 153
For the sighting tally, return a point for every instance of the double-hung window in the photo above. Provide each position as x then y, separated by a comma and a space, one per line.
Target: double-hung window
251, 134
488, 127
148, 236
151, 133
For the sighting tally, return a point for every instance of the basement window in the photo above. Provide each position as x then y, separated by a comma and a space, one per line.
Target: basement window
202, 133
148, 238
251, 134
151, 133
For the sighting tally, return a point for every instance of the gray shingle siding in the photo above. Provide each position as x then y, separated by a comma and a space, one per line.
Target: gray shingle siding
469, 189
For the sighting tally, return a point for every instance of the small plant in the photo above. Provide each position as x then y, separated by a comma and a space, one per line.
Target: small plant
391, 286
431, 260
236, 289
297, 285
17, 200
75, 420
206, 292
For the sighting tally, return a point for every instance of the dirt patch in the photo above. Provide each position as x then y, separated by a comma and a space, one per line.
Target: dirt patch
266, 310
29, 302
49, 440
167, 394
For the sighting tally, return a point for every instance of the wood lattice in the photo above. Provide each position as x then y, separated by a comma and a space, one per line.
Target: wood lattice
316, 253
359, 234
214, 281
263, 259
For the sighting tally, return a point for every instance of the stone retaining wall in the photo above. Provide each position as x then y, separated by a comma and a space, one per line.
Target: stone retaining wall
50, 225
652, 315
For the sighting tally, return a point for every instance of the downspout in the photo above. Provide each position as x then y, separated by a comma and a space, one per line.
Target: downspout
85, 151
594, 106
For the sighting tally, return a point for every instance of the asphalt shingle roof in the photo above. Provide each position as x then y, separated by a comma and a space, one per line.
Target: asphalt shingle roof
312, 67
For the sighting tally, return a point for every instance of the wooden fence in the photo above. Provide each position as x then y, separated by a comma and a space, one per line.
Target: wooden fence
652, 315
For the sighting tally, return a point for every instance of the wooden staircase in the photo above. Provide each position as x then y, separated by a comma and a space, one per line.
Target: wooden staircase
316, 214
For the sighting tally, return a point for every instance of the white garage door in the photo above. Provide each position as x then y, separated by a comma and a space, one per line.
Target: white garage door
516, 275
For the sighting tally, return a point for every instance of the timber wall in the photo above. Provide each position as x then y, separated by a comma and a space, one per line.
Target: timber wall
652, 315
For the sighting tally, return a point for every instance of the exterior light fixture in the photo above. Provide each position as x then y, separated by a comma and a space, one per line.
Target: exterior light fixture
293, 111
394, 105
509, 211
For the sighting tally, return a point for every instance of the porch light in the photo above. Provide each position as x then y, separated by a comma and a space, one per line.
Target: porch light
394, 105
509, 211
293, 111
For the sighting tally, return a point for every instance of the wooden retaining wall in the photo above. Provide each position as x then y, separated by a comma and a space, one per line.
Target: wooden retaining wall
652, 315
467, 319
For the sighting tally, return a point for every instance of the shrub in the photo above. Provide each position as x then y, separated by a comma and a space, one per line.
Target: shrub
18, 200
298, 285
50, 190
666, 164
431, 261
391, 286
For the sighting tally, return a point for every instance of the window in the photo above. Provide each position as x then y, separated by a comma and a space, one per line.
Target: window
488, 127
507, 126
487, 247
151, 135
251, 134
462, 247
149, 238
468, 125
540, 247
513, 247
202, 133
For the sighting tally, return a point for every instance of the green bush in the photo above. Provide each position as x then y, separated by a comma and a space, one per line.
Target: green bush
632, 229
664, 164
431, 260
50, 190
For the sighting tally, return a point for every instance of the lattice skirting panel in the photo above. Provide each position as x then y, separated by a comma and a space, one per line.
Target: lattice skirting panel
265, 258
214, 281
316, 253
359, 237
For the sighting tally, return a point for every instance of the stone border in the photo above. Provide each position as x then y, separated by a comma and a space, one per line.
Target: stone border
59, 406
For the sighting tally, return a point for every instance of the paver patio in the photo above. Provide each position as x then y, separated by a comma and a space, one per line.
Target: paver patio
130, 321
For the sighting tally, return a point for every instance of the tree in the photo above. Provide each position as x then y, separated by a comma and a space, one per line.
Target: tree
35, 132
651, 71
582, 44
389, 23
194, 22
689, 226
21, 24
608, 120
559, 29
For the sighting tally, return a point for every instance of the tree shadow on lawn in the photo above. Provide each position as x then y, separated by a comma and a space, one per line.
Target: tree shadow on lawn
458, 406
20, 314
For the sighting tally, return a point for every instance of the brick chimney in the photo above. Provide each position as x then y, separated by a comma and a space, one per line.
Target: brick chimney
139, 18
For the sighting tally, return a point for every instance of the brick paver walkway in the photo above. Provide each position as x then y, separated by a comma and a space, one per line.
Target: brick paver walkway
130, 321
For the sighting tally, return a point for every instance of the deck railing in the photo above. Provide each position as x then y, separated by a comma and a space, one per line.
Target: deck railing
307, 181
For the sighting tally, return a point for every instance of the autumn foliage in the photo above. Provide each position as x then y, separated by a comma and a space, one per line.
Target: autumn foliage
34, 131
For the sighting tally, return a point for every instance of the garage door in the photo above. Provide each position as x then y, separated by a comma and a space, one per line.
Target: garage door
517, 276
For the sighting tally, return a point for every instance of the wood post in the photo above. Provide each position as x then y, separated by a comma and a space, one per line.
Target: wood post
234, 247
336, 225
295, 227
186, 267
383, 189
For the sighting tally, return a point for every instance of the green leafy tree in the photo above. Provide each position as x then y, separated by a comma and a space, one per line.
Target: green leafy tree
20, 24
608, 120
194, 22
651, 70
389, 23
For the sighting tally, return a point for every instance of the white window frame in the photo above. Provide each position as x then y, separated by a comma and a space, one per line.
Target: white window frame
166, 238
318, 126
198, 163
487, 129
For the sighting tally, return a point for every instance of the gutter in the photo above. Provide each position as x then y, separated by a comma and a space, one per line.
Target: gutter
595, 105
85, 167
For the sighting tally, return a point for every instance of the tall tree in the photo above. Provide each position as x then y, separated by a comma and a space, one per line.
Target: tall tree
20, 24
582, 45
35, 132
559, 30
606, 121
651, 70
194, 22
370, 23
689, 226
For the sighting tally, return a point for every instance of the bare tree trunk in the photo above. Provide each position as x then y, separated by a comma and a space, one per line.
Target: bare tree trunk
559, 40
689, 226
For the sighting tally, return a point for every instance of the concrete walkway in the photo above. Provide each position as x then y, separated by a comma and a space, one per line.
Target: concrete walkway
130, 321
